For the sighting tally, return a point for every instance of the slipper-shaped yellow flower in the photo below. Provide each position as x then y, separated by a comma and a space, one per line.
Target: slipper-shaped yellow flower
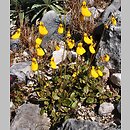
94, 73
84, 10
87, 39
57, 47
34, 65
60, 29
91, 49
80, 50
113, 20
38, 41
70, 43
40, 51
52, 63
106, 57
68, 35
99, 72
16, 34
42, 29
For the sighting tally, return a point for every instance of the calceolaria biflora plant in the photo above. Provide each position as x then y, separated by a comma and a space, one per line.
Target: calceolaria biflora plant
70, 82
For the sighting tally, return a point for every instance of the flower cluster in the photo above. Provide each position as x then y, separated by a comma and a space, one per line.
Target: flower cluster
96, 72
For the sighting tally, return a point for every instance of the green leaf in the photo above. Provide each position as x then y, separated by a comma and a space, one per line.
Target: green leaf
46, 102
67, 117
53, 113
74, 104
72, 96
100, 89
118, 97
109, 94
37, 89
90, 100
42, 111
36, 15
21, 18
55, 96
64, 109
42, 99
103, 97
47, 2
54, 8
98, 94
37, 6
66, 102
86, 89
58, 7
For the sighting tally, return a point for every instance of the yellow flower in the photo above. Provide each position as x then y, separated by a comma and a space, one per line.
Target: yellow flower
75, 74
80, 50
57, 47
60, 29
52, 63
42, 29
70, 43
99, 72
34, 65
17, 34
93, 72
40, 51
113, 20
91, 49
84, 10
68, 35
38, 41
106, 58
36, 46
87, 40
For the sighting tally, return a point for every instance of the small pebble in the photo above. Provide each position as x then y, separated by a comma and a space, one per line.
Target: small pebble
105, 109
25, 53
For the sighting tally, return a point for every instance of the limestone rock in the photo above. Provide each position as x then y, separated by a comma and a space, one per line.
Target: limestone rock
116, 79
105, 109
28, 118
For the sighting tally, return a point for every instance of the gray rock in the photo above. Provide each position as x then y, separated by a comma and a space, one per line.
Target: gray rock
14, 45
114, 6
105, 109
60, 54
94, 12
119, 107
51, 21
28, 118
110, 44
20, 70
116, 79
91, 2
73, 124
113, 129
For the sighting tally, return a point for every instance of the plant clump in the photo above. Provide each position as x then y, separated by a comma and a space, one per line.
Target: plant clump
69, 82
